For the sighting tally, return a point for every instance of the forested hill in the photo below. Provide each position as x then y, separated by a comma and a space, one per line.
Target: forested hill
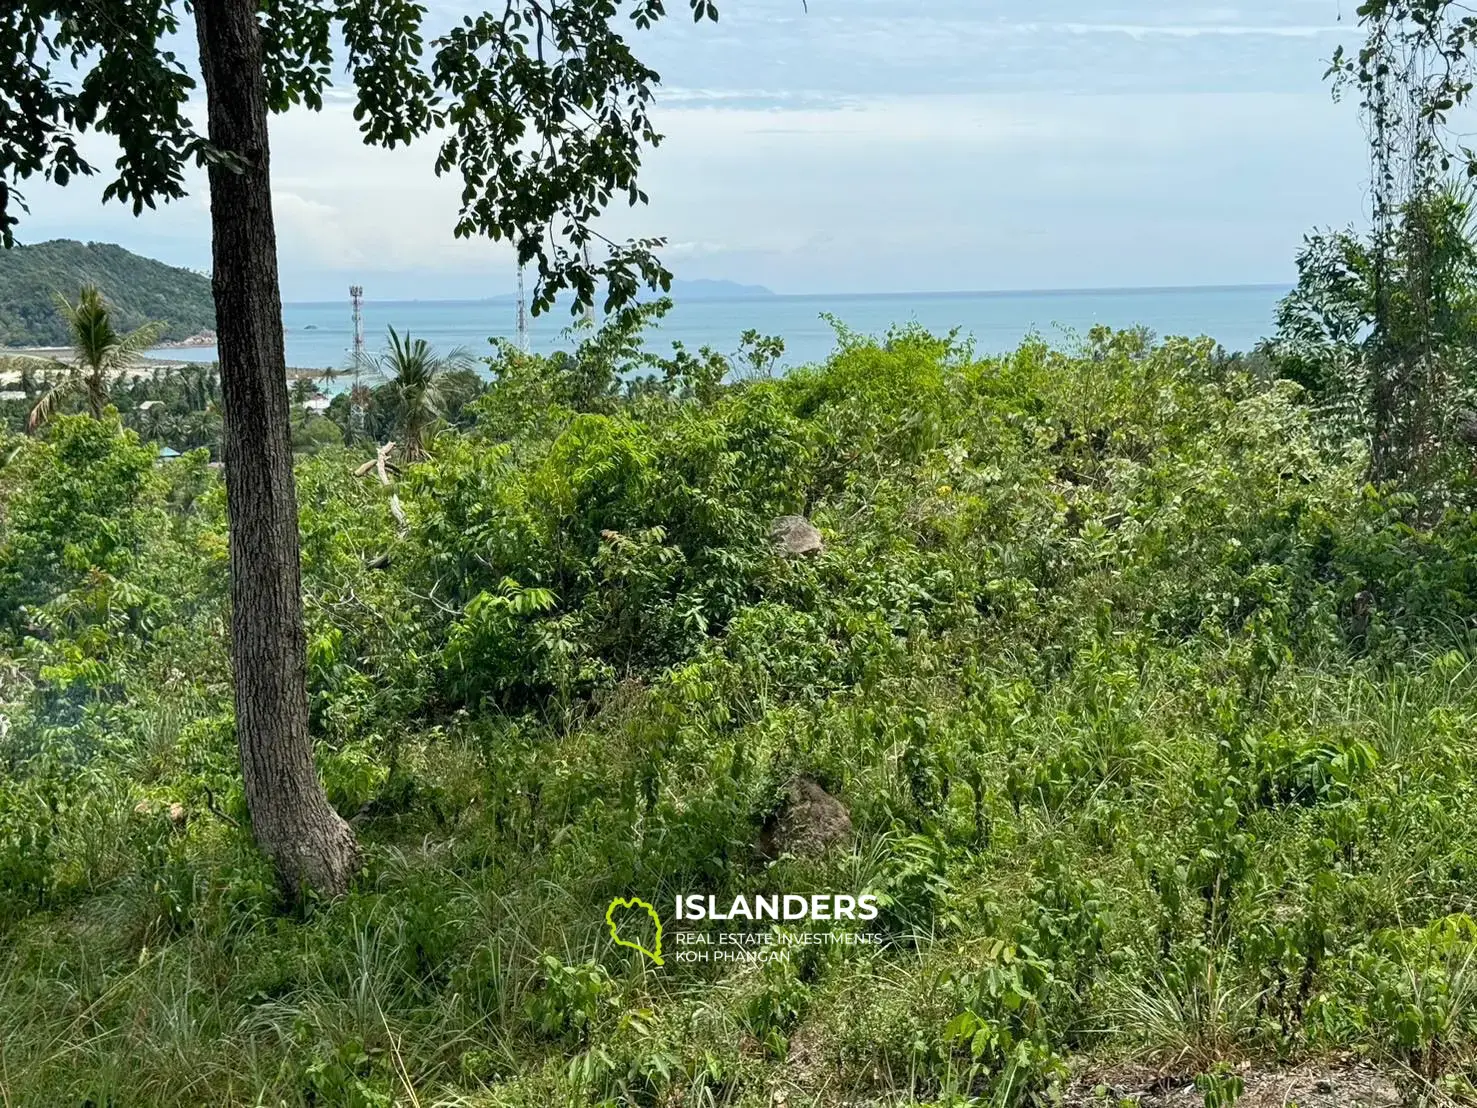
140, 289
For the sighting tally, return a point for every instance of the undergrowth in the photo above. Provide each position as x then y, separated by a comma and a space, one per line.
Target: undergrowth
1153, 724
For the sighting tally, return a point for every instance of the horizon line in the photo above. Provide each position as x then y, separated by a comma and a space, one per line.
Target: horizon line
1102, 290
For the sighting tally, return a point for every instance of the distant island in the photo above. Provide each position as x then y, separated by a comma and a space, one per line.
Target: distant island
138, 288
717, 290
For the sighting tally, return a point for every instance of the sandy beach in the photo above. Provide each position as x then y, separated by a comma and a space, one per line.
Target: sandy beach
10, 373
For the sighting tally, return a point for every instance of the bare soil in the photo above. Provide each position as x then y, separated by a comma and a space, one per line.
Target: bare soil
1321, 1085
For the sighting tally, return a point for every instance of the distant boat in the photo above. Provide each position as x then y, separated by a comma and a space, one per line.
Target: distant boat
311, 327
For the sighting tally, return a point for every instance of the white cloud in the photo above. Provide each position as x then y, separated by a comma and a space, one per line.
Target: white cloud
872, 146
684, 251
1149, 30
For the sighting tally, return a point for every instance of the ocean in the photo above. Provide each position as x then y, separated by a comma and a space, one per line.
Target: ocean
320, 336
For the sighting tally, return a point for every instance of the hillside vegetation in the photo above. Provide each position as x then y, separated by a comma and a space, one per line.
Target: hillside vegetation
1152, 720
139, 289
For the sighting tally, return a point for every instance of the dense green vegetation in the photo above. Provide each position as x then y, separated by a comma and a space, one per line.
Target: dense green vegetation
1133, 682
140, 290
178, 408
1151, 717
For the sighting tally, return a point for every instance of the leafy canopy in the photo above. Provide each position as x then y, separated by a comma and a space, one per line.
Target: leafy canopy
541, 106
1327, 324
1427, 49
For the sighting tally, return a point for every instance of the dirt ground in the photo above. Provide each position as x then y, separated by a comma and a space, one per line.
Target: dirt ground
1338, 1085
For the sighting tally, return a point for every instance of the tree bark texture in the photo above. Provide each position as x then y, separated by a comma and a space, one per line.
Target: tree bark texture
307, 841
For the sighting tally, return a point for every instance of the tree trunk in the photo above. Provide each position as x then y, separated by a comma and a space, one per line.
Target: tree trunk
307, 841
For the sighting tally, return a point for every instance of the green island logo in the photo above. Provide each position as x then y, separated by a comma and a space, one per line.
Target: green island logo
634, 902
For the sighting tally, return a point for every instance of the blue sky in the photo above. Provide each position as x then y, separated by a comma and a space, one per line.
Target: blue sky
877, 146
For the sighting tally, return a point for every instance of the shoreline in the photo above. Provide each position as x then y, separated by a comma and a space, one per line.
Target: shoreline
149, 363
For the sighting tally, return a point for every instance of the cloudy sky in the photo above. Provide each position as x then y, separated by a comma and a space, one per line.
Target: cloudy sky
877, 146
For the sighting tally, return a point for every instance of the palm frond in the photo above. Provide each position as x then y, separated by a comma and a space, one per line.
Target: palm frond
413, 371
133, 344
66, 307
16, 363
458, 358
90, 321
99, 353
46, 406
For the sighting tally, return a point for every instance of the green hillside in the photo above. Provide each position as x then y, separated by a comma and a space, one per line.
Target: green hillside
140, 289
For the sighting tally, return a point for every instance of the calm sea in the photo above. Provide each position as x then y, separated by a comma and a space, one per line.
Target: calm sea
320, 335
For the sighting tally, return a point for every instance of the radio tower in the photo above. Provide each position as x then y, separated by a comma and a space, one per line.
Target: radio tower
522, 315
356, 393
356, 297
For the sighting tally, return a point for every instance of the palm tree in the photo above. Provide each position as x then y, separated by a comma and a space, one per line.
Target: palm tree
301, 391
326, 376
154, 419
413, 371
99, 355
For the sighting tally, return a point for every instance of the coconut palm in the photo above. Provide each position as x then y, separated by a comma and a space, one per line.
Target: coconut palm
326, 376
99, 356
154, 419
413, 372
302, 390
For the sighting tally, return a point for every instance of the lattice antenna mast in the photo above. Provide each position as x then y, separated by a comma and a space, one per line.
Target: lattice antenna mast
356, 298
356, 394
522, 315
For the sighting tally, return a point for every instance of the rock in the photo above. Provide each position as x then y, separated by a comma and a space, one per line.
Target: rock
177, 814
795, 537
201, 339
1466, 427
809, 822
1363, 606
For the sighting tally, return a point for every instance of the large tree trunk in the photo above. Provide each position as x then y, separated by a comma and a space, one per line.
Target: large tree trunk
307, 841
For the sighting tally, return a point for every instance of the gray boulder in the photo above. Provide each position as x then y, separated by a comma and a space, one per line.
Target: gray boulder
1466, 427
795, 537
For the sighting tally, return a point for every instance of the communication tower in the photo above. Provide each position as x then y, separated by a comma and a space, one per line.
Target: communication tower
357, 390
522, 315
356, 297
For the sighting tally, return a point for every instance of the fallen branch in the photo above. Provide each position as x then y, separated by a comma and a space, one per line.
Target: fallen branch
380, 463
216, 812
377, 462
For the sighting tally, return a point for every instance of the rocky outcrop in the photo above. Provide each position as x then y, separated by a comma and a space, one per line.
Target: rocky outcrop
809, 822
204, 338
1466, 428
795, 537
